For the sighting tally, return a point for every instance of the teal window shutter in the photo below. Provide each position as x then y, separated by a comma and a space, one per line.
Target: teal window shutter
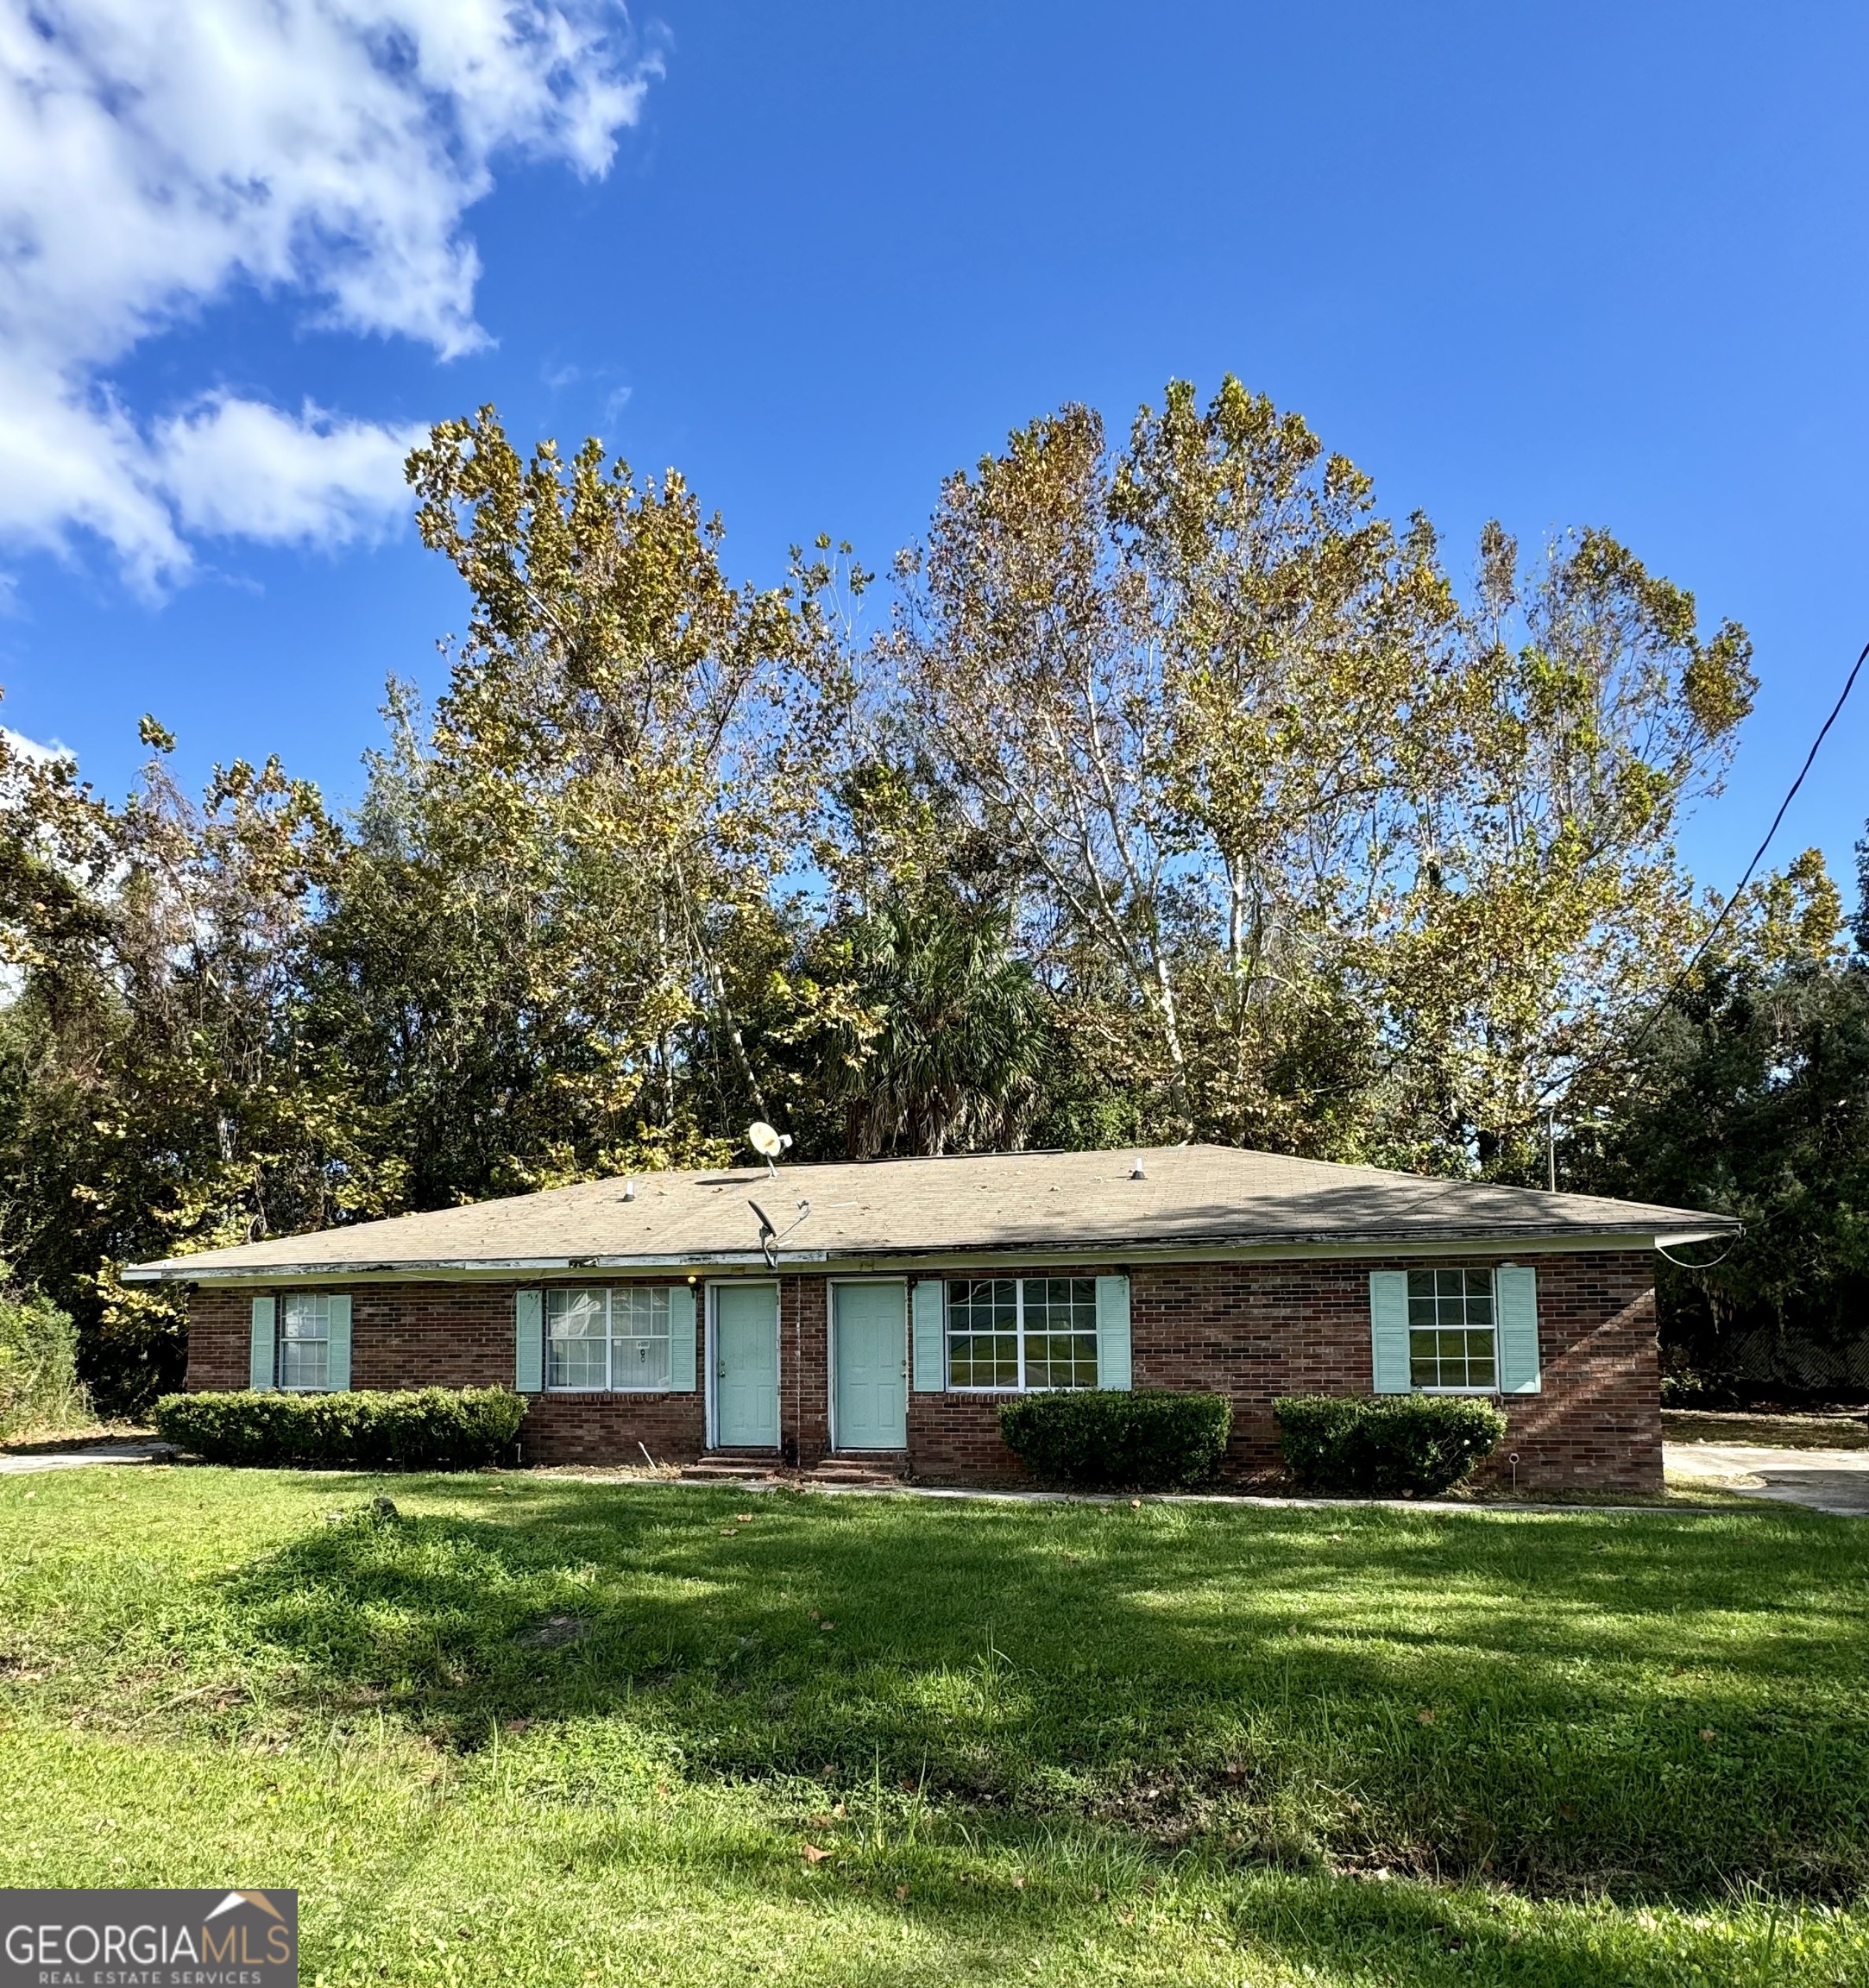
1388, 1331
682, 1338
262, 1361
337, 1348
930, 1338
1113, 1332
1515, 1300
528, 1342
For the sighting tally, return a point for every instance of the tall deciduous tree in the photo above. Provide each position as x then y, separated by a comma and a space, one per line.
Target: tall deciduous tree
1352, 868
160, 1094
1550, 906
562, 882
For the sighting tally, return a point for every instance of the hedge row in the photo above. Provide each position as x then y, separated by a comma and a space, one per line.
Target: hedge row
421, 1429
1392, 1446
1105, 1439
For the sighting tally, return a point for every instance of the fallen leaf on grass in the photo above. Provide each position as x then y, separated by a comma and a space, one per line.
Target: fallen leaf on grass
1708, 1734
812, 1854
1425, 1715
744, 1518
901, 1891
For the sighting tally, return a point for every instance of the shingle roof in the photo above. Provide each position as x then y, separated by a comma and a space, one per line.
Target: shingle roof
1086, 1203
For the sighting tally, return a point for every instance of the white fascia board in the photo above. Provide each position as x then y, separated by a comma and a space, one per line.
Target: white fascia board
897, 1261
468, 1270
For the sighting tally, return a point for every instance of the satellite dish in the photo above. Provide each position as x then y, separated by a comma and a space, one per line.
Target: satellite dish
767, 1143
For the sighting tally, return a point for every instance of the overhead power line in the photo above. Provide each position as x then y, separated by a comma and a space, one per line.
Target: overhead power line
1699, 953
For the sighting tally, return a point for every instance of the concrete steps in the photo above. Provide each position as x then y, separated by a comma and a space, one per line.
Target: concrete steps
876, 1469
729, 1470
869, 1471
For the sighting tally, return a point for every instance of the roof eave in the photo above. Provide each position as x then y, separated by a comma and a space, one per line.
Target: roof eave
1296, 1244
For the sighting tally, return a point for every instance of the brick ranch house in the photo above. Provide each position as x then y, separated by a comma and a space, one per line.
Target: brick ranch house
883, 1308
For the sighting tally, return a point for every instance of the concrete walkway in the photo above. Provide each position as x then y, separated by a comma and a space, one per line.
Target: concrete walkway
1834, 1481
97, 1453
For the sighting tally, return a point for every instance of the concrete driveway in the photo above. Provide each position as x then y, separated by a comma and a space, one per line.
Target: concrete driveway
98, 1453
1824, 1480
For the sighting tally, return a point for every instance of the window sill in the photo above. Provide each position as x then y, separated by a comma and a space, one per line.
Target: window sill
1089, 1387
616, 1394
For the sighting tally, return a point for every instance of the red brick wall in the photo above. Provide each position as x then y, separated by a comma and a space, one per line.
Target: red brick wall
460, 1336
804, 1370
1259, 1330
1253, 1331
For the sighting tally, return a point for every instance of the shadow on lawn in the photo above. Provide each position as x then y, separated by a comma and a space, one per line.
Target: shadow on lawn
1649, 1705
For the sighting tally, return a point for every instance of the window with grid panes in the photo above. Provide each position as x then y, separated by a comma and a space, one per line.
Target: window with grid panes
615, 1341
982, 1332
577, 1339
1451, 1330
1017, 1332
639, 1338
305, 1340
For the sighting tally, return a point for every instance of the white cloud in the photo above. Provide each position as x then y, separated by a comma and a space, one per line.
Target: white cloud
237, 467
155, 153
24, 748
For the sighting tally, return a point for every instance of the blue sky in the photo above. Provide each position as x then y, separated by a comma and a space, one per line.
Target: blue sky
1601, 264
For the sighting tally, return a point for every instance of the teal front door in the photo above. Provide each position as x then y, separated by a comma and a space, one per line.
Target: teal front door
745, 1366
872, 1366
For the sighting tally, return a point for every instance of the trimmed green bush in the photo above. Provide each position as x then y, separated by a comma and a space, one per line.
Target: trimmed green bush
419, 1429
1107, 1439
1387, 1445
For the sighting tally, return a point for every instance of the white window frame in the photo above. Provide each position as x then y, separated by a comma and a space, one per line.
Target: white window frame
1492, 1279
609, 1384
287, 1299
1022, 1386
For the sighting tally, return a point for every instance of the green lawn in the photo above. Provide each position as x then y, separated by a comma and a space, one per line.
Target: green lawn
539, 1732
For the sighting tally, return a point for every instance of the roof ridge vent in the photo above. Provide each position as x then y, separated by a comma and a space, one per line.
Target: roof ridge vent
1138, 1172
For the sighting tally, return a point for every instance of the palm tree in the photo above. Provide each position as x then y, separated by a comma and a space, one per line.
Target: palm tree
961, 1033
